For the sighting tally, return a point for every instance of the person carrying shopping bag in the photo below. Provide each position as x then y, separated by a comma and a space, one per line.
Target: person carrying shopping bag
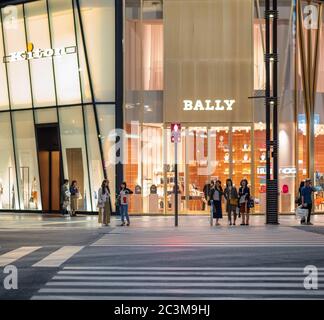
104, 205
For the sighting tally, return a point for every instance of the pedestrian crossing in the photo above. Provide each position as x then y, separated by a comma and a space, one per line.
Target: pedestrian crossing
213, 237
53, 260
177, 283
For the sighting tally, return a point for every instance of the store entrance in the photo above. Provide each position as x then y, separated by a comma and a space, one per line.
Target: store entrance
50, 165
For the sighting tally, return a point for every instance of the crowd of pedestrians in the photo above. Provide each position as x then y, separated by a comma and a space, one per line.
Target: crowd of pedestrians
238, 202
70, 196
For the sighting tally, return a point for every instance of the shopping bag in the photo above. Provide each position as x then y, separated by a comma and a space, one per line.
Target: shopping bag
301, 212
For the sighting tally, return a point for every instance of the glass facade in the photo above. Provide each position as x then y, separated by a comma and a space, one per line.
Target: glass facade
57, 80
60, 111
213, 150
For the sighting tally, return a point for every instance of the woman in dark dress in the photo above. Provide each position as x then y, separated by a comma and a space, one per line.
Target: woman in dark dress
244, 198
216, 195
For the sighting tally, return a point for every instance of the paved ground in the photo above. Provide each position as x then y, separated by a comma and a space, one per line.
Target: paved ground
64, 258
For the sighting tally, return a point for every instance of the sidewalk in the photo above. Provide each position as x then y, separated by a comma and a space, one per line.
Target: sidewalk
37, 221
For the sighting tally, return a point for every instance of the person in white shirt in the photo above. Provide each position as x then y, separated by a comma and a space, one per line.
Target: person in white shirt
123, 203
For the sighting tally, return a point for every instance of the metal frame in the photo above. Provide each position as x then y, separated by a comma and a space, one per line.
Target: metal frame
271, 102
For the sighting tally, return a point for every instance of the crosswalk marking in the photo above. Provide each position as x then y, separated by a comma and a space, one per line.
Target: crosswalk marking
14, 255
58, 257
238, 237
114, 282
187, 268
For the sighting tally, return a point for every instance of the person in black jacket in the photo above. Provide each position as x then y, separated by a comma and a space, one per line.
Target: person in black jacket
244, 198
299, 199
216, 195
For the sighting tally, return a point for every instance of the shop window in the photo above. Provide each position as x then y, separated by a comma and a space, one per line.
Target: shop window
74, 154
241, 154
198, 175
98, 19
260, 167
4, 103
8, 185
66, 66
41, 70
106, 117
28, 176
94, 157
18, 75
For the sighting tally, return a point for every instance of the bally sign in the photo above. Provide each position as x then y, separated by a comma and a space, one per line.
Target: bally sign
39, 54
208, 105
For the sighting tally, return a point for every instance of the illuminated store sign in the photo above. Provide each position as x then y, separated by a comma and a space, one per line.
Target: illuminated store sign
208, 105
284, 170
32, 54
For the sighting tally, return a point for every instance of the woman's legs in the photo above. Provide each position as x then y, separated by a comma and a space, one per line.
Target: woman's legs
229, 214
104, 216
126, 214
247, 217
234, 215
100, 215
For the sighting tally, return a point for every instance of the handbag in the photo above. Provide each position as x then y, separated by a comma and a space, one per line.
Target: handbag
251, 203
233, 202
301, 212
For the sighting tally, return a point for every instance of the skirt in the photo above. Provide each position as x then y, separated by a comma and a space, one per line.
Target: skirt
105, 213
217, 213
74, 203
243, 208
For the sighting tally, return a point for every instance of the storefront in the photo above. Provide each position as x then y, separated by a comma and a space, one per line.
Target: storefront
184, 62
72, 72
57, 101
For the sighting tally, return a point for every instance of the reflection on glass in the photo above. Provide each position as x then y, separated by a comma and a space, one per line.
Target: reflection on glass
28, 175
198, 173
75, 163
241, 154
8, 187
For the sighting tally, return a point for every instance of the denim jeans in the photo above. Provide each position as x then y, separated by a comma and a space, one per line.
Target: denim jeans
123, 208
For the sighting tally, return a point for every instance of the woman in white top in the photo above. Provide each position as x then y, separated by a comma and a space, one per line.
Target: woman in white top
104, 204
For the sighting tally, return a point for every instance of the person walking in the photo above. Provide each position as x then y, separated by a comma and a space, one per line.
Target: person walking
231, 197
216, 194
244, 198
307, 201
65, 197
75, 195
124, 202
104, 205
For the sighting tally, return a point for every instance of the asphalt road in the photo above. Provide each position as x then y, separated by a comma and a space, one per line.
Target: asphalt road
153, 260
